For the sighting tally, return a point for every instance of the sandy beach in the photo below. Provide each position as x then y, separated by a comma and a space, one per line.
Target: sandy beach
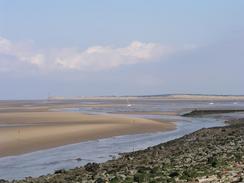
30, 131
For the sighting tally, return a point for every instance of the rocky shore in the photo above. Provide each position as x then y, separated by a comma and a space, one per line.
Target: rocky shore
202, 112
208, 155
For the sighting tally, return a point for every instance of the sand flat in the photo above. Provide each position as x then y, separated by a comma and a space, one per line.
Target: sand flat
30, 131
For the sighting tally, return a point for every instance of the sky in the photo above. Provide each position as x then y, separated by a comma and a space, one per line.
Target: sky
102, 48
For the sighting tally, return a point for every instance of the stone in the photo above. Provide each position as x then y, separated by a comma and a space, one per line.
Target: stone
91, 167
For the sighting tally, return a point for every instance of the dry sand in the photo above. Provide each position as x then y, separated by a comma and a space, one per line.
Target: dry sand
30, 131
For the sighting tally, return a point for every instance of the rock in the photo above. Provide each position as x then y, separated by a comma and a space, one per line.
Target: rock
173, 174
100, 180
59, 171
91, 167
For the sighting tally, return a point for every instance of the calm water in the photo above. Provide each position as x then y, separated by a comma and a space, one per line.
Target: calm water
47, 161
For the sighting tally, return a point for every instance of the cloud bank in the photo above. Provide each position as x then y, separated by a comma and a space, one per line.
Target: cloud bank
19, 55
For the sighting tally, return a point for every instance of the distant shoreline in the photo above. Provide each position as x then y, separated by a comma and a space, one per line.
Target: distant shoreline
161, 97
125, 97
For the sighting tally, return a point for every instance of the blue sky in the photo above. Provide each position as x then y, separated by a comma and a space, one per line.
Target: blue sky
76, 48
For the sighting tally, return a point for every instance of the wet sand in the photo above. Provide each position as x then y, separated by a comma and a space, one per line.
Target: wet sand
31, 131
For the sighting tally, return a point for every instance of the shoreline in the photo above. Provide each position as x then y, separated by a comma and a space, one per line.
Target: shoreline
43, 130
202, 112
207, 155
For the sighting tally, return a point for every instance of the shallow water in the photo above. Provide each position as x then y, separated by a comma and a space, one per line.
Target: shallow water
47, 161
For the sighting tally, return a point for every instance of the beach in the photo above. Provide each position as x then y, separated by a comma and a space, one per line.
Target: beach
40, 137
23, 132
207, 155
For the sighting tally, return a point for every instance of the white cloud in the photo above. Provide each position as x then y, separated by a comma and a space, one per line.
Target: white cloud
5, 46
99, 57
93, 58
